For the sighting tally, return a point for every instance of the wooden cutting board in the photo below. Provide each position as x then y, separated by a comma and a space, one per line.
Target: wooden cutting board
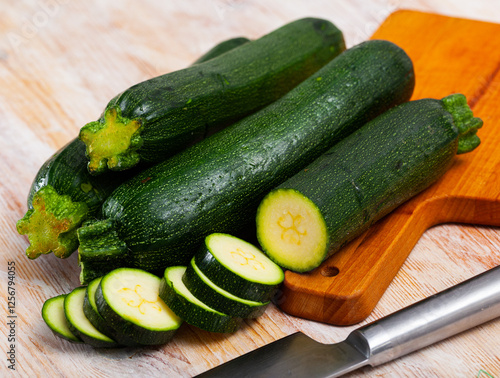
450, 55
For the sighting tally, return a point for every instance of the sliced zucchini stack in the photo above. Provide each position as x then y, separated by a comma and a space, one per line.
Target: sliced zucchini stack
80, 325
128, 300
92, 314
239, 267
217, 298
54, 317
191, 309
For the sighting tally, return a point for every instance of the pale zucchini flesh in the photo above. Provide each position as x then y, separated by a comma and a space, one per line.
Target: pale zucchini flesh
78, 322
133, 295
292, 230
54, 317
244, 259
239, 267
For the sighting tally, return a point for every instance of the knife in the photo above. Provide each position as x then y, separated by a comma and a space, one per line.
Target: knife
433, 319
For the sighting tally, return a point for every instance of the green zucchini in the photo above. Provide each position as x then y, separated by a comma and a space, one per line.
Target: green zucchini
128, 299
238, 267
157, 118
80, 325
222, 48
64, 194
191, 309
161, 216
363, 178
54, 317
217, 298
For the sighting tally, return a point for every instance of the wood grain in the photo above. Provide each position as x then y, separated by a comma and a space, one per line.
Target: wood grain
72, 57
447, 59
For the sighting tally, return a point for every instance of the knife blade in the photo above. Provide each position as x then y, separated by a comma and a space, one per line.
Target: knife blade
459, 308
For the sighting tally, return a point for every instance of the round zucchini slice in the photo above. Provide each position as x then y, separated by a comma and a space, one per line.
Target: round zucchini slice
239, 267
217, 298
80, 325
191, 309
53, 316
128, 300
92, 314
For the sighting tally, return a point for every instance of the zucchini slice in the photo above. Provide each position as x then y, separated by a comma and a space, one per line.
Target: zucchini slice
92, 314
239, 267
80, 325
191, 309
217, 298
363, 178
128, 299
53, 315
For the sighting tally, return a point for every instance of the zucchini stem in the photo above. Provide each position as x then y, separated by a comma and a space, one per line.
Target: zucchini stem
52, 223
465, 121
112, 142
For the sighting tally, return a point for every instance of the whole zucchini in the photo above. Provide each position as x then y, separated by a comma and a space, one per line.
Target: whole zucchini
63, 193
161, 216
362, 178
159, 117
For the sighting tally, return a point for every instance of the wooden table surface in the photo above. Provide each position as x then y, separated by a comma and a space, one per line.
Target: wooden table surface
60, 63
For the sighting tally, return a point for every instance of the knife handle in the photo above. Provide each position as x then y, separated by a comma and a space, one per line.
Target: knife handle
433, 319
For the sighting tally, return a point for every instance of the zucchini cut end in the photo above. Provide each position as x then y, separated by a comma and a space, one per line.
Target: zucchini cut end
112, 142
465, 121
52, 223
292, 230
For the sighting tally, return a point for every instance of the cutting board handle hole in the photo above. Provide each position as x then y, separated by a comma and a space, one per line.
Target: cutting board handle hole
330, 271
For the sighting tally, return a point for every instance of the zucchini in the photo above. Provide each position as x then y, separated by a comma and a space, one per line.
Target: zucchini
92, 314
128, 299
157, 118
217, 298
54, 317
238, 267
80, 325
64, 194
162, 215
222, 48
191, 309
362, 178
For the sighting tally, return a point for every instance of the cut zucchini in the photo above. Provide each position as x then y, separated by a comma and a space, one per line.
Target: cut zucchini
239, 267
191, 309
292, 230
80, 325
363, 178
53, 315
92, 314
128, 299
217, 298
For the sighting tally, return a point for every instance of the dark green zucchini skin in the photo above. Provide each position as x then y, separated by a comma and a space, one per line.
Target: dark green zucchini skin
164, 213
179, 108
385, 163
230, 281
222, 48
218, 301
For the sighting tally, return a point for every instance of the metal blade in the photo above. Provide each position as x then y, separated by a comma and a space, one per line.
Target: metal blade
293, 356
